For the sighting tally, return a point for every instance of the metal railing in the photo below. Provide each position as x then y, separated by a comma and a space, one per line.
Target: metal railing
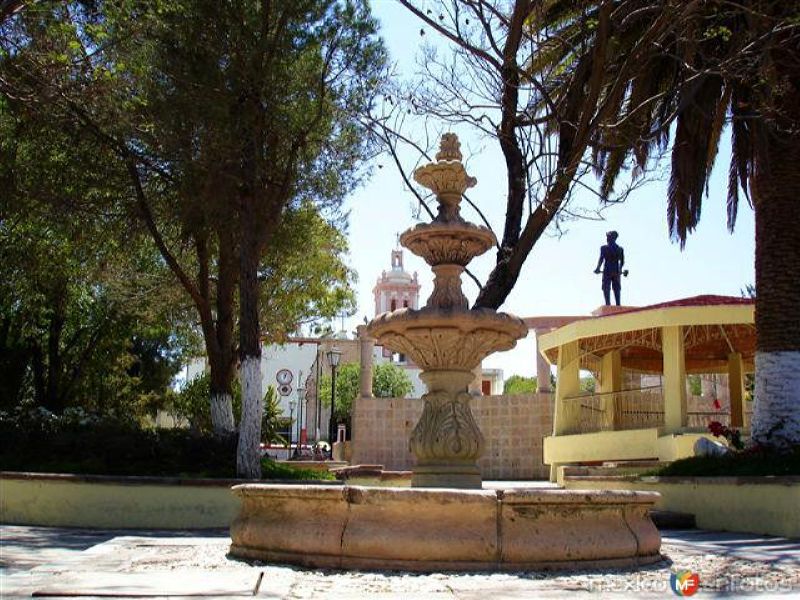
615, 411
698, 420
641, 408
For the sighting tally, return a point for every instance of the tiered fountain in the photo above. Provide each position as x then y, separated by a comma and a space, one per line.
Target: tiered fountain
423, 528
446, 339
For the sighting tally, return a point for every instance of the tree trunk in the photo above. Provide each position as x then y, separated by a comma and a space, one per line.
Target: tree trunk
776, 418
248, 455
218, 326
222, 420
53, 400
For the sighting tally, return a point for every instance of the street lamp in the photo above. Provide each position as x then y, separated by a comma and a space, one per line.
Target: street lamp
301, 392
334, 354
291, 423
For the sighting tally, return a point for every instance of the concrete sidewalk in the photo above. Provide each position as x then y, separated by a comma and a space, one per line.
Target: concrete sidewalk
49, 562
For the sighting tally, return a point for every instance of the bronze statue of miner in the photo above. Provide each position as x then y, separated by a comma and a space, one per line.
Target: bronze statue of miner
612, 258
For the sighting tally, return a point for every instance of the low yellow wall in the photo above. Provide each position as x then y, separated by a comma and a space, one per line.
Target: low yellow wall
125, 503
765, 505
604, 445
633, 444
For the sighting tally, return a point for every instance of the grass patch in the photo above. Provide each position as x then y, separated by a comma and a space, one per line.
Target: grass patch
274, 470
748, 463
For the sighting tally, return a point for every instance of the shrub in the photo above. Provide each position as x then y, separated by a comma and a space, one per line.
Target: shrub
274, 470
33, 439
751, 462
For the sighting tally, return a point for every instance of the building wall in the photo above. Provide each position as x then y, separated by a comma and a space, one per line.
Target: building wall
513, 426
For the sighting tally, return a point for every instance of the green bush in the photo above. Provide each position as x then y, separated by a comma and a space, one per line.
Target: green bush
517, 384
193, 403
273, 470
755, 462
33, 439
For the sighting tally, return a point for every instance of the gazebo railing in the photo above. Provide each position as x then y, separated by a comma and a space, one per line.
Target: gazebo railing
614, 411
641, 408
698, 420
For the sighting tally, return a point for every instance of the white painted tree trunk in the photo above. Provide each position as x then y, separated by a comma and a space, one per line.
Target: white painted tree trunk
776, 416
222, 413
248, 454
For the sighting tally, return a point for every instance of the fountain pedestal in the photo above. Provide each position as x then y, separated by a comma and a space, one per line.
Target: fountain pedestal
447, 441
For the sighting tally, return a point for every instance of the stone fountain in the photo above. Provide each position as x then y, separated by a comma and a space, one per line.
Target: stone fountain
445, 338
440, 523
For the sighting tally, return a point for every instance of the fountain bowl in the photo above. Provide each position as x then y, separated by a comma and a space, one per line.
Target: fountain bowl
439, 339
428, 530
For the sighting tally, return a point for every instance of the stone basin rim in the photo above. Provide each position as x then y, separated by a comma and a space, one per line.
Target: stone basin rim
510, 495
448, 228
434, 529
463, 320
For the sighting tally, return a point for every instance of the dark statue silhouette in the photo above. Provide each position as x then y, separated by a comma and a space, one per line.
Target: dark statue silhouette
612, 258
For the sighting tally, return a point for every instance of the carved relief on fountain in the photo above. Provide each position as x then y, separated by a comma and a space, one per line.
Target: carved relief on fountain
448, 243
434, 343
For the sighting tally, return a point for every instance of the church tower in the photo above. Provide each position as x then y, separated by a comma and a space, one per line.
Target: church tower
396, 288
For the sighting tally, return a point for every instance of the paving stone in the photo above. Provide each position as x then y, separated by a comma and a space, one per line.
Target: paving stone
168, 565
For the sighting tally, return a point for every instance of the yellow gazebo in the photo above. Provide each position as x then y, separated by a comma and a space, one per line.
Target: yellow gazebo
623, 419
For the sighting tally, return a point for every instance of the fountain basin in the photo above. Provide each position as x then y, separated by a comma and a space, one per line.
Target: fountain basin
448, 243
439, 339
419, 529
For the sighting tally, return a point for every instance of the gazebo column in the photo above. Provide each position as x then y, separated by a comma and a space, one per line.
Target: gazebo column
674, 378
568, 384
542, 371
736, 388
610, 381
566, 417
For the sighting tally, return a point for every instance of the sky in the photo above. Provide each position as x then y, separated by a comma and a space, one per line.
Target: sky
558, 277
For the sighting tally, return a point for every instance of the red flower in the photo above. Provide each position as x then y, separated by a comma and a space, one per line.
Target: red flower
716, 428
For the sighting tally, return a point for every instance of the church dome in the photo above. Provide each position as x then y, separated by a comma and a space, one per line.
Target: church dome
396, 288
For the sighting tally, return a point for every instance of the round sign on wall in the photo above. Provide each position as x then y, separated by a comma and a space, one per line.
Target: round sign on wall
284, 389
284, 377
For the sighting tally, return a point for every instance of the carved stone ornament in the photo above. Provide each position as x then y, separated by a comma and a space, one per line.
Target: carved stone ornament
446, 430
449, 148
448, 243
435, 339
447, 292
446, 178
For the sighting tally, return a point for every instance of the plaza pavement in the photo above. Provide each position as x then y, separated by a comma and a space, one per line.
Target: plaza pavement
54, 562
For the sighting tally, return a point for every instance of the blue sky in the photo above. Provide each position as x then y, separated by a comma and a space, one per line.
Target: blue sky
557, 278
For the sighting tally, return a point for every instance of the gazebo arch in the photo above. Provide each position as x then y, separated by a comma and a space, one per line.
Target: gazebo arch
702, 334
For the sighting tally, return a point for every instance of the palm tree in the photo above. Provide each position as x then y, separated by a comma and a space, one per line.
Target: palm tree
687, 69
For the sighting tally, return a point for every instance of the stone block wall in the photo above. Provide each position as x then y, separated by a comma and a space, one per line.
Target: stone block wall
513, 426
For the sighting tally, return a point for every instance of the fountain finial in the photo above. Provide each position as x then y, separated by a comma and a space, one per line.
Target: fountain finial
449, 148
446, 178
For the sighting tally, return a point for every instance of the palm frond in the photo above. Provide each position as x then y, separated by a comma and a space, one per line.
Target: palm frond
689, 165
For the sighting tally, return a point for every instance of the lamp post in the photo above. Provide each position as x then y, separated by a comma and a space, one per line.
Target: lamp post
317, 399
301, 392
334, 354
291, 424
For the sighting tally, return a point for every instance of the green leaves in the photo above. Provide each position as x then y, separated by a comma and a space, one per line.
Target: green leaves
388, 381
